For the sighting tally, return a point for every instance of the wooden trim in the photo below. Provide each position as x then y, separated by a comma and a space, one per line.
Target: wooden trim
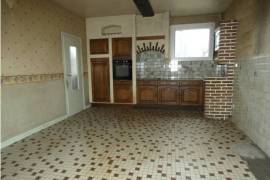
168, 106
97, 104
150, 37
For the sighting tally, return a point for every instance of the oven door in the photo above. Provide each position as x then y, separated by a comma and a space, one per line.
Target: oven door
122, 71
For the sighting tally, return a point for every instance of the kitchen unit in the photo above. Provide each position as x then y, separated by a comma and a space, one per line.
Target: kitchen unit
115, 38
122, 69
122, 91
100, 79
134, 62
99, 46
100, 70
122, 47
170, 92
147, 92
120, 52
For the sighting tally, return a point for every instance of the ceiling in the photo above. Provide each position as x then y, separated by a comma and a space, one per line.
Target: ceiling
94, 8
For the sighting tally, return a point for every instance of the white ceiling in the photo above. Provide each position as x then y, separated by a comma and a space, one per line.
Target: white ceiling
94, 8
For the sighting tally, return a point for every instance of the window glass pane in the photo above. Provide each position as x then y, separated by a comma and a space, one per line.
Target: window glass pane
74, 67
192, 43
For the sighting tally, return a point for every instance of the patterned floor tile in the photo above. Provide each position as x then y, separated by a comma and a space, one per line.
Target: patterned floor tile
129, 143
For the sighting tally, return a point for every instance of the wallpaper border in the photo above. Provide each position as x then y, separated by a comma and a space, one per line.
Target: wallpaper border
22, 79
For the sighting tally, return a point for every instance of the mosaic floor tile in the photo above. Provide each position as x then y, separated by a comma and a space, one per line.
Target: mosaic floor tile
129, 143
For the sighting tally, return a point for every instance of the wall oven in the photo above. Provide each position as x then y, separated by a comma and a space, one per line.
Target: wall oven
122, 69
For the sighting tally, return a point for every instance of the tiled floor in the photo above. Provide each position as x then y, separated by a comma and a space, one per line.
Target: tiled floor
128, 143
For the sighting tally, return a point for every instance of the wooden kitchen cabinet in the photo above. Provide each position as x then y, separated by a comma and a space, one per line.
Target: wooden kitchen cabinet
123, 91
122, 47
168, 95
191, 93
170, 92
99, 46
147, 94
100, 79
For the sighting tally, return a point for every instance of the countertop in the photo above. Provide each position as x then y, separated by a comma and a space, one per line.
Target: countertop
170, 79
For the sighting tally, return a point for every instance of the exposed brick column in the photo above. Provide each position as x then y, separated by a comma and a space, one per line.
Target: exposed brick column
219, 90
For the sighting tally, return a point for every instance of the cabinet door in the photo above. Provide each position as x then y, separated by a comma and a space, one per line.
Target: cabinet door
122, 47
123, 92
147, 94
191, 96
168, 95
100, 80
99, 46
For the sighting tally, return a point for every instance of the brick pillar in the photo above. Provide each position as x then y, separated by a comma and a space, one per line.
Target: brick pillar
219, 90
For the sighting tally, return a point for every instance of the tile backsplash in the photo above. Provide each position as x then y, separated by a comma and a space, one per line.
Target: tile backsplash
153, 64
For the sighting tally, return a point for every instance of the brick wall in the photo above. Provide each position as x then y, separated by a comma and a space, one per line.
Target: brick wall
219, 90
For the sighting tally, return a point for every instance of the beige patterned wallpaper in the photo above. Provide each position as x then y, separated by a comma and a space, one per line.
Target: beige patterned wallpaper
31, 39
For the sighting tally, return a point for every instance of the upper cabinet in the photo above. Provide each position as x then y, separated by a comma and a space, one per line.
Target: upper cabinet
122, 47
99, 46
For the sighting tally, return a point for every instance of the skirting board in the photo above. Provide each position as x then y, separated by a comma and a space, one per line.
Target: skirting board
87, 106
32, 131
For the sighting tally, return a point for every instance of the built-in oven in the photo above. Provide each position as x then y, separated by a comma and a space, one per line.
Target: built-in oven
122, 69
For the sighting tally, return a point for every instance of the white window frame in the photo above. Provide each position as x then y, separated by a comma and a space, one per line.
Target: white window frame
211, 26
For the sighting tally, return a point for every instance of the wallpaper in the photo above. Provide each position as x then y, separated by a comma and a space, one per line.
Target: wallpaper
31, 38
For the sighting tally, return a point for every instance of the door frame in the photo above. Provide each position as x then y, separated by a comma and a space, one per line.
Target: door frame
63, 35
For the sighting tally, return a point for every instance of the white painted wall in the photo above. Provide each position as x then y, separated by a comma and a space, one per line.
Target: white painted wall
151, 26
155, 26
94, 25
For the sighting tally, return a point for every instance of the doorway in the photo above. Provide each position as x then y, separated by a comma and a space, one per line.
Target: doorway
73, 73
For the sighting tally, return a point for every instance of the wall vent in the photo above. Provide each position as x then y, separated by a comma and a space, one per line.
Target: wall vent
111, 30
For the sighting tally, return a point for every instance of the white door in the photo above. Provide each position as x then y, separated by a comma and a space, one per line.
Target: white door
73, 73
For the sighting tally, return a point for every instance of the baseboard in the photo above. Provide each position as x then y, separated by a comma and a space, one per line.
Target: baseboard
32, 131
87, 106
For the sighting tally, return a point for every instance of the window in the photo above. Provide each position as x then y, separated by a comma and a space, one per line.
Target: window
192, 41
74, 67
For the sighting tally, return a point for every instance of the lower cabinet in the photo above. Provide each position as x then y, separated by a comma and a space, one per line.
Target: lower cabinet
100, 80
191, 96
168, 95
183, 93
123, 91
147, 94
